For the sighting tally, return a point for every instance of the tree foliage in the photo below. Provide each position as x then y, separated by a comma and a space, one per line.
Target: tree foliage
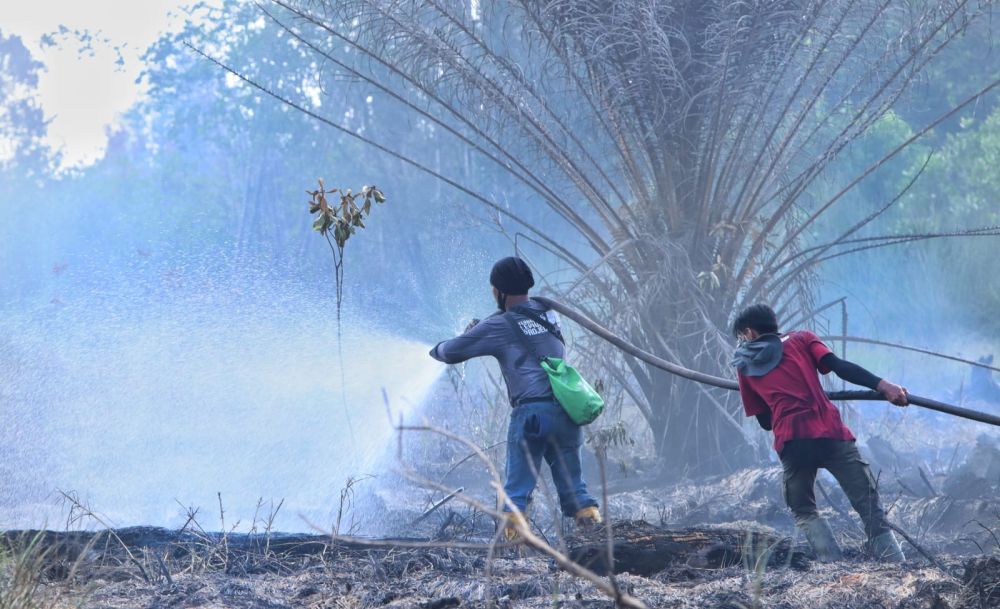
22, 122
680, 151
661, 162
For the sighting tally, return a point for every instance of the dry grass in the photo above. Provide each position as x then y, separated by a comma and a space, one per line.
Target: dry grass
50, 570
21, 575
39, 575
442, 578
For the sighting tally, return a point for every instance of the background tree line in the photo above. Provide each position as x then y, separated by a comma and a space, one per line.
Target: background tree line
660, 163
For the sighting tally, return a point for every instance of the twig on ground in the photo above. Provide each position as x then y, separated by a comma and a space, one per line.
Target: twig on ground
444, 525
437, 505
608, 529
164, 569
467, 457
84, 511
926, 554
923, 476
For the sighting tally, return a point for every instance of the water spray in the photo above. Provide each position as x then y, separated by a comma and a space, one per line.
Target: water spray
723, 383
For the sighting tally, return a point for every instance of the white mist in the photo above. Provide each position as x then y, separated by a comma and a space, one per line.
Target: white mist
143, 408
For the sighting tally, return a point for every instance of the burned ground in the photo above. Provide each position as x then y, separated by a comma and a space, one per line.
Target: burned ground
724, 542
748, 558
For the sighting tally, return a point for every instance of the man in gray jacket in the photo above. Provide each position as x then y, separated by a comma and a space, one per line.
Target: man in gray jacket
539, 426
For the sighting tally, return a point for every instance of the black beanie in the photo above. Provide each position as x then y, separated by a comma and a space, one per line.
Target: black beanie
512, 276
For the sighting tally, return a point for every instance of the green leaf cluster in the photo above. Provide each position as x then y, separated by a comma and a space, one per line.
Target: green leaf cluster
342, 218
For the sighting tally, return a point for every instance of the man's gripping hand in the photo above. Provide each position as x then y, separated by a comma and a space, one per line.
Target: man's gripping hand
892, 392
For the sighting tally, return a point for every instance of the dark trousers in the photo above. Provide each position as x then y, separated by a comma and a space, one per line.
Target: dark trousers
801, 459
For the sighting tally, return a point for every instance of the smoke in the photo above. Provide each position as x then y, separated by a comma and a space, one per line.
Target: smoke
146, 404
917, 296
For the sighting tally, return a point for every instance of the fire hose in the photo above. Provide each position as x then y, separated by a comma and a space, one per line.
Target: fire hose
716, 381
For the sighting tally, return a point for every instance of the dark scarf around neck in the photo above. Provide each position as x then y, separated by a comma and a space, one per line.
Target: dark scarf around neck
759, 356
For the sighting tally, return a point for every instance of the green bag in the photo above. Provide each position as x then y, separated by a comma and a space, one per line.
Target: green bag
580, 401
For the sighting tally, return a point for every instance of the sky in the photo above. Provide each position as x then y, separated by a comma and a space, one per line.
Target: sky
83, 93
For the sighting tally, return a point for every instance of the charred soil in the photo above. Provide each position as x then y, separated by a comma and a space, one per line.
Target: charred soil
752, 560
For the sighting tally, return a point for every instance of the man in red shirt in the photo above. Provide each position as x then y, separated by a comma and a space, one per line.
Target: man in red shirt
780, 386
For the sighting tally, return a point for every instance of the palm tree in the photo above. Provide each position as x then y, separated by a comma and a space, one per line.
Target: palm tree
668, 157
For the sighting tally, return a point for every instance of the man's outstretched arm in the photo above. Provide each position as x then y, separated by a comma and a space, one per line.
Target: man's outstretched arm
853, 373
480, 338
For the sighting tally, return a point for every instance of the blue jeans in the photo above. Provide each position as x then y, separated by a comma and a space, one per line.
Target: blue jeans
553, 435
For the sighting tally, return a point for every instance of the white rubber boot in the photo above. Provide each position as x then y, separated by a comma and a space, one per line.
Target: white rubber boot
886, 548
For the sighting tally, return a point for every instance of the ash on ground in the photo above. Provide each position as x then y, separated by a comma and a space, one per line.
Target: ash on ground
722, 543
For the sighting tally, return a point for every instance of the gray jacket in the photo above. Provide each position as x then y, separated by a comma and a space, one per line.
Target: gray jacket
494, 336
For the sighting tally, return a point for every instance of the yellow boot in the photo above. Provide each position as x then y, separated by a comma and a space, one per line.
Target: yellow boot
510, 532
588, 517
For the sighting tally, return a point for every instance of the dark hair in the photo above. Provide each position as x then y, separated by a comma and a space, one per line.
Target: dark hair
512, 276
759, 317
